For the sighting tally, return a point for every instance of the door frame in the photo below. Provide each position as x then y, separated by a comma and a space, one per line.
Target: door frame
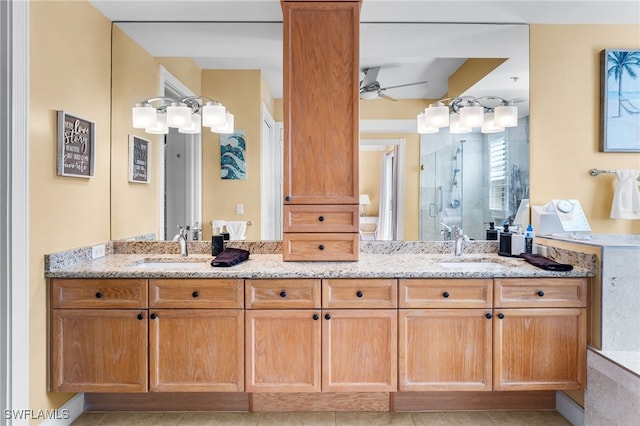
271, 165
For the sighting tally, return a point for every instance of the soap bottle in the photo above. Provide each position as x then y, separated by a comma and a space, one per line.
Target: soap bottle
504, 248
529, 237
492, 232
196, 232
217, 243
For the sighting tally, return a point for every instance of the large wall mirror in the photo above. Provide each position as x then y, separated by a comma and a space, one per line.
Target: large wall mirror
413, 186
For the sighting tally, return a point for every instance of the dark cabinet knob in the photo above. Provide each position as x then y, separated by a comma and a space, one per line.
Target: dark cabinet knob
327, 317
500, 316
283, 293
140, 316
321, 247
321, 218
153, 316
287, 198
488, 315
541, 293
98, 295
195, 294
445, 294
359, 293
315, 317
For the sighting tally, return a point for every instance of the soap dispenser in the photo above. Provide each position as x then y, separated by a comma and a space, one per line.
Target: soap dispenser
492, 232
505, 241
529, 237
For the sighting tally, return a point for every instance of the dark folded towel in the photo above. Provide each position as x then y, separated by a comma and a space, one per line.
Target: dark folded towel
545, 263
230, 257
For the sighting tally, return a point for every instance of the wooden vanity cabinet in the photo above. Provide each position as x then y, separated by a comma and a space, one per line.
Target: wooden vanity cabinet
196, 335
540, 333
445, 332
98, 335
321, 128
302, 348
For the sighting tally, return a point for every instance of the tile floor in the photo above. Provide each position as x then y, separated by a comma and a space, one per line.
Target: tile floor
465, 418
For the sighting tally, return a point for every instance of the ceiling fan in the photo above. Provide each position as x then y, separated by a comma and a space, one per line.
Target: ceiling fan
370, 87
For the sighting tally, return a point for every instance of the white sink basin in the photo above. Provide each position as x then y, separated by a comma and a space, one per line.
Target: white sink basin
471, 265
168, 265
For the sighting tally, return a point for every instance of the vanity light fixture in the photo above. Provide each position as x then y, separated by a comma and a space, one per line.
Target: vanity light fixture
188, 115
490, 113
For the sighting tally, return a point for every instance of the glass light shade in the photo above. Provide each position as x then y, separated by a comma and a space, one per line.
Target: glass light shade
489, 125
455, 127
143, 116
178, 115
506, 115
437, 116
422, 125
472, 116
194, 126
213, 115
159, 127
228, 126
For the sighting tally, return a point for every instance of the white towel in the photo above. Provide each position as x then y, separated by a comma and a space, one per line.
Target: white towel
626, 197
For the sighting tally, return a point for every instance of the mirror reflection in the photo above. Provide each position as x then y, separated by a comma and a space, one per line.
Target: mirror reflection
413, 185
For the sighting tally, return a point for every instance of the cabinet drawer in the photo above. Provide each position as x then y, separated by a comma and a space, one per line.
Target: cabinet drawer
321, 218
196, 293
321, 247
99, 293
445, 293
360, 293
285, 294
540, 292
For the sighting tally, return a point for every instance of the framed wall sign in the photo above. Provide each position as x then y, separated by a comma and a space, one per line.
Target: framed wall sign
233, 164
620, 100
139, 157
76, 145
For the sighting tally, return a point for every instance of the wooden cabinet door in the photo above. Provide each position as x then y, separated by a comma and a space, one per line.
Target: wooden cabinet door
445, 350
196, 350
359, 350
539, 349
99, 350
282, 350
321, 102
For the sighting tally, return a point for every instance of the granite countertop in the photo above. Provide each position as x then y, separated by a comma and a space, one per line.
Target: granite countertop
370, 265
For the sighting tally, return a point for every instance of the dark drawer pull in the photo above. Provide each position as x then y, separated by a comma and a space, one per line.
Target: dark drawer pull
541, 293
321, 218
153, 316
359, 293
287, 198
500, 316
140, 317
445, 294
98, 295
315, 317
283, 293
327, 317
195, 294
488, 315
321, 247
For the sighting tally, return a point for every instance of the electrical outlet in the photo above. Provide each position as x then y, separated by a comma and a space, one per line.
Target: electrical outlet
239, 208
98, 251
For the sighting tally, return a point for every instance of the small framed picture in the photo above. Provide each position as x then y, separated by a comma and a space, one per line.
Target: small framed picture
139, 158
76, 146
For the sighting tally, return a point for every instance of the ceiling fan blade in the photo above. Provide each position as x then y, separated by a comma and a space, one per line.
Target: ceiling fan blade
404, 85
387, 97
370, 76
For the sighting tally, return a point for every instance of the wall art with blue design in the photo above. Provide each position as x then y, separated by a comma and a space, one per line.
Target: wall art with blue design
232, 155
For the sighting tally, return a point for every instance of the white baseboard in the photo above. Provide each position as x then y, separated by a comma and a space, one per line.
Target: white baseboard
68, 413
571, 411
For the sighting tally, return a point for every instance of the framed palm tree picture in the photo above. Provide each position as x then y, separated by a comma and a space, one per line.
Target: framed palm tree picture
620, 101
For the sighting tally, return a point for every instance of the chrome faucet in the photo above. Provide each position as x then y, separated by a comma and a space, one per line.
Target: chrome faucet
460, 239
445, 231
181, 237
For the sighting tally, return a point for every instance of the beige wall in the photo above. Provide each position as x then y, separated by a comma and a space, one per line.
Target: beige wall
565, 126
240, 92
70, 70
